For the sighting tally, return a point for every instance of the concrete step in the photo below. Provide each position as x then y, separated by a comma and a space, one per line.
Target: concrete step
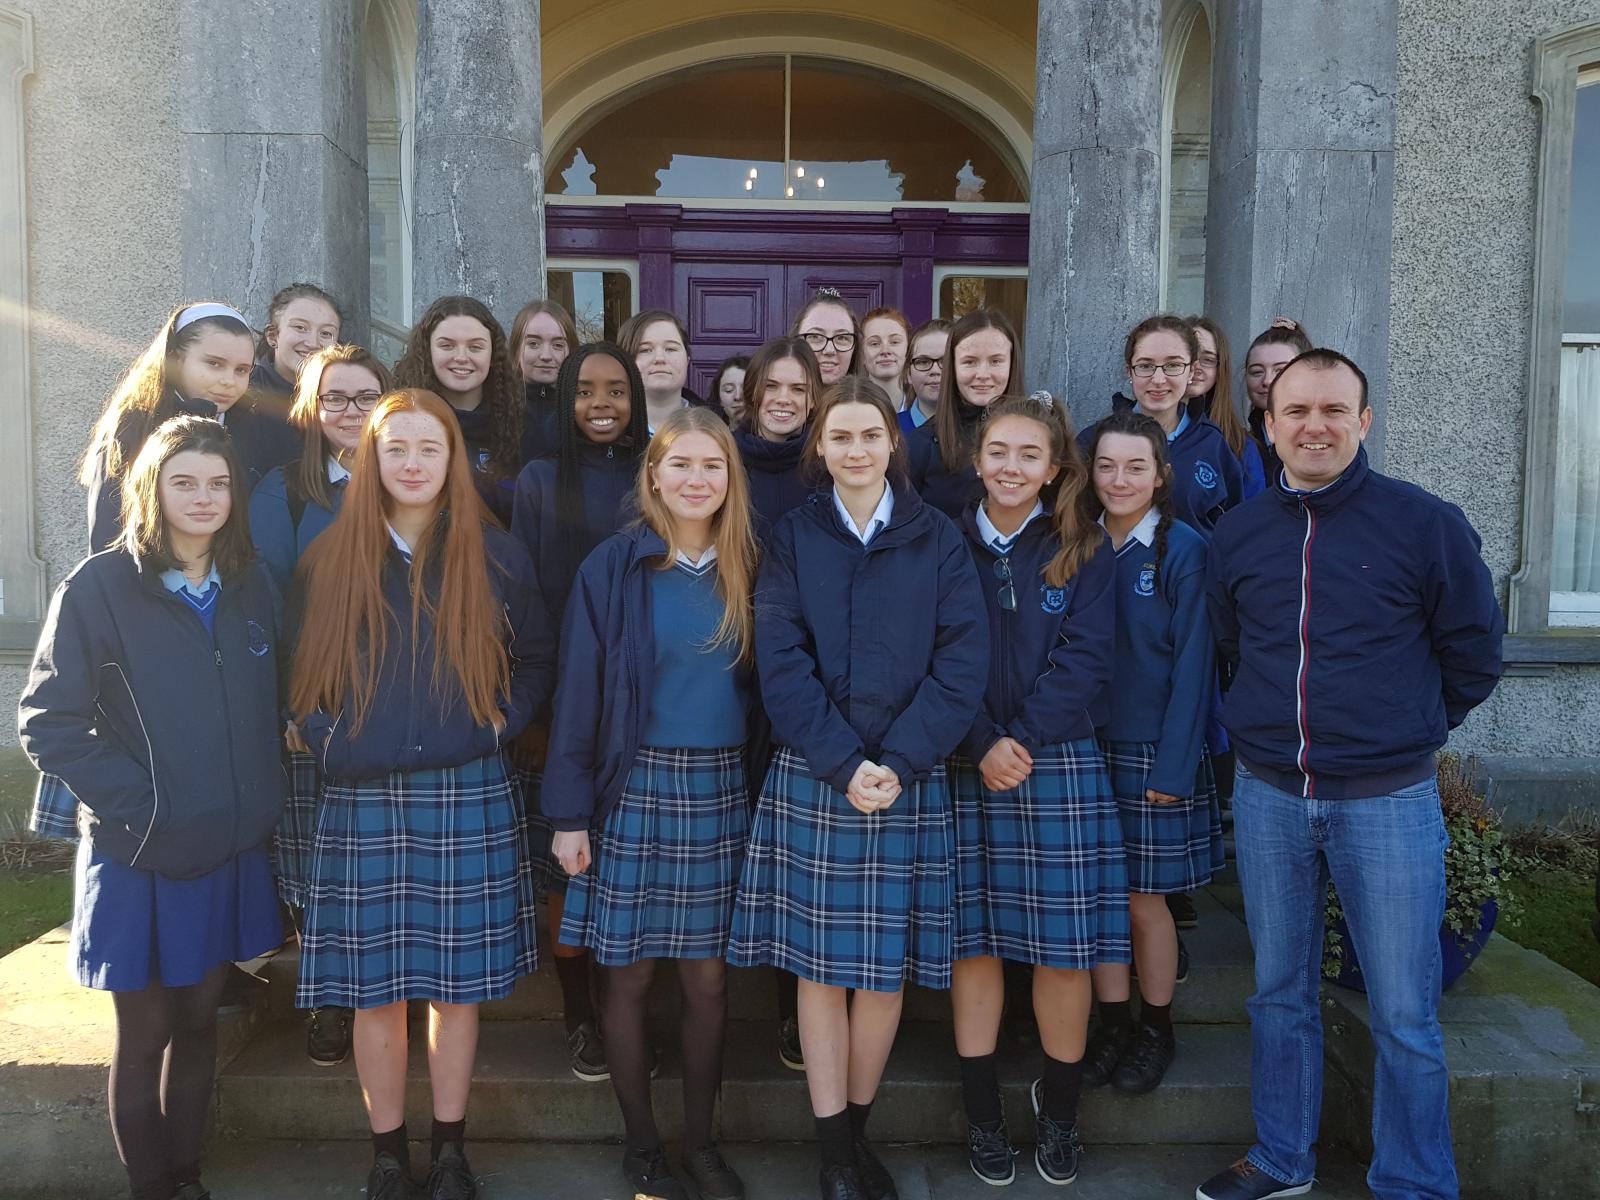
524, 1090
255, 1170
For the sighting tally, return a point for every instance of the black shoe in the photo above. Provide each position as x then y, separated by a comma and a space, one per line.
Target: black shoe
1184, 913
1106, 1047
450, 1177
875, 1179
841, 1183
589, 1054
789, 1052
328, 1035
1057, 1148
649, 1175
989, 1153
1183, 963
191, 1191
712, 1175
388, 1179
1145, 1064
1246, 1181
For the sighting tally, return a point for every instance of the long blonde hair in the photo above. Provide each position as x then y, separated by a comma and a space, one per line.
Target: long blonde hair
732, 532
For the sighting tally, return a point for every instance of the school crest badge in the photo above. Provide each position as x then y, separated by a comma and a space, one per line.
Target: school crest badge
1052, 599
1205, 474
1146, 583
257, 639
483, 459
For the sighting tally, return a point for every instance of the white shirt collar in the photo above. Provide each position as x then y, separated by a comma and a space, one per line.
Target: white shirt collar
174, 580
879, 519
337, 471
705, 560
1144, 532
998, 541
400, 542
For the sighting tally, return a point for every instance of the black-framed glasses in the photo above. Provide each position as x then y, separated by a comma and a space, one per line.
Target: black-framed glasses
923, 363
1208, 361
821, 341
337, 402
1008, 586
1172, 367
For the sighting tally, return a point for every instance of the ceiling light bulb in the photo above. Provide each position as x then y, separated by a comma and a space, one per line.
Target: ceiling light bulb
821, 182
789, 192
800, 172
749, 185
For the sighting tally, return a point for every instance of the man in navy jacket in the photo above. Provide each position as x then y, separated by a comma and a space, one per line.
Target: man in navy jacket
1364, 626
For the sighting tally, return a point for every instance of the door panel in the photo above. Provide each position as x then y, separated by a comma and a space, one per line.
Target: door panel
730, 309
863, 288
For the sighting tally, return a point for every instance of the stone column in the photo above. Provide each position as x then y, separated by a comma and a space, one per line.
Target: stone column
1094, 247
479, 226
1300, 217
274, 109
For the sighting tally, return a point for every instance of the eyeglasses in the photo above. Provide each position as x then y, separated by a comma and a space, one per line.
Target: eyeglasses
923, 363
1170, 368
337, 402
1208, 361
1008, 587
821, 341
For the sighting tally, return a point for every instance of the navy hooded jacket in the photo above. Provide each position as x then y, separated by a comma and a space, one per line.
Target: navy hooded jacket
408, 726
1050, 659
279, 536
606, 682
948, 491
169, 736
1207, 477
1364, 626
874, 652
777, 477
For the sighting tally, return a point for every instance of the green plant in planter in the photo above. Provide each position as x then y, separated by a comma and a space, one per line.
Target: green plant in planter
1477, 864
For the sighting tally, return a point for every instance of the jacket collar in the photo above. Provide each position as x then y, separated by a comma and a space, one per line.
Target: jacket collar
647, 543
771, 458
1034, 531
908, 509
1331, 496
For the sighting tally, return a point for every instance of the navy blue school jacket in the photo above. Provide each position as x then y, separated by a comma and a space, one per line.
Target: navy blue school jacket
948, 491
1050, 659
1165, 674
541, 429
776, 474
874, 652
169, 736
602, 703
607, 476
477, 434
281, 536
409, 726
1364, 626
1207, 477
1271, 464
264, 377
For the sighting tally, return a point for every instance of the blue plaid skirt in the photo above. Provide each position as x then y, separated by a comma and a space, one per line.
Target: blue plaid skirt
291, 842
546, 871
666, 864
418, 890
1039, 872
842, 898
1170, 847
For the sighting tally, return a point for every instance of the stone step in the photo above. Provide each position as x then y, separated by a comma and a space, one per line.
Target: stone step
524, 1090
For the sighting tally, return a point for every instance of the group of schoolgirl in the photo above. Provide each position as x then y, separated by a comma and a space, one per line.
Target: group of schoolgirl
753, 752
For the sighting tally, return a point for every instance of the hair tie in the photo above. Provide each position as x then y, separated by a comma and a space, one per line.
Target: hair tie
828, 293
1044, 398
210, 308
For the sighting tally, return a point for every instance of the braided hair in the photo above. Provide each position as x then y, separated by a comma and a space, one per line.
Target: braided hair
1135, 424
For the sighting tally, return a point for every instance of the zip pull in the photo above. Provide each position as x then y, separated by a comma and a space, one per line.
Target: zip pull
610, 452
218, 653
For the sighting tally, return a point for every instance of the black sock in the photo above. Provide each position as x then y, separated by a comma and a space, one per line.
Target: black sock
447, 1131
576, 1004
858, 1117
835, 1140
1157, 1016
1062, 1084
393, 1142
1116, 1014
155, 1189
980, 1089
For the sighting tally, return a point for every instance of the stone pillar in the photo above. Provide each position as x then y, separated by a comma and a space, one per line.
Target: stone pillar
1094, 247
1300, 217
274, 110
479, 226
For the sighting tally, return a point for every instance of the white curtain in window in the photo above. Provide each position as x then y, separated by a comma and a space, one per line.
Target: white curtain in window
1576, 563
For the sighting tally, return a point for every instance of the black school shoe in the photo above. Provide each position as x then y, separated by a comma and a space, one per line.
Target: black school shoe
191, 1191
840, 1183
648, 1174
1144, 1064
876, 1182
1184, 914
1246, 1181
328, 1032
1106, 1047
588, 1053
450, 1177
789, 1052
712, 1175
388, 1179
1057, 1150
989, 1153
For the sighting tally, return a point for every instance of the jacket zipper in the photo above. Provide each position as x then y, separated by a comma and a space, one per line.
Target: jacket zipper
1302, 723
150, 752
233, 771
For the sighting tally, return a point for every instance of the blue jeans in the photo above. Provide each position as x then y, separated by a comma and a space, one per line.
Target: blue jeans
1386, 857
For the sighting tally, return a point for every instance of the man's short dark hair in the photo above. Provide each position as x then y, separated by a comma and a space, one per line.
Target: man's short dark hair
1320, 359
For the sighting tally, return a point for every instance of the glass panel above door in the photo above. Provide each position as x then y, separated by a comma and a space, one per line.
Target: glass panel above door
600, 300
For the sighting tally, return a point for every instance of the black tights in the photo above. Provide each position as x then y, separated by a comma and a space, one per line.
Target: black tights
705, 1010
161, 1074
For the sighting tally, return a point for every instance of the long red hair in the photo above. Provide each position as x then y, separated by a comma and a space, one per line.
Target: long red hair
347, 623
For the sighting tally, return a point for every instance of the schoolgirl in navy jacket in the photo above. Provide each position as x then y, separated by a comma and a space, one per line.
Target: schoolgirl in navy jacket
1207, 477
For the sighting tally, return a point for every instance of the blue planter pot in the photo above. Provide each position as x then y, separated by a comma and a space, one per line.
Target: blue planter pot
1457, 953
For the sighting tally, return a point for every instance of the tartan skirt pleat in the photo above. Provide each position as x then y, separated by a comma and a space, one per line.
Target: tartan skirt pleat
1040, 876
843, 898
1170, 847
418, 890
667, 861
292, 841
545, 871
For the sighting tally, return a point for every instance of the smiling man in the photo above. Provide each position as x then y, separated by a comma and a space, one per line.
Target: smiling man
1364, 627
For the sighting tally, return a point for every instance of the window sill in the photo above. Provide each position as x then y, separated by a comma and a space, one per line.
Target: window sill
1549, 650
19, 638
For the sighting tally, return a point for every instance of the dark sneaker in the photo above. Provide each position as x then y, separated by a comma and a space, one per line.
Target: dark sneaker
712, 1175
1057, 1149
1104, 1052
789, 1052
649, 1175
1145, 1063
1184, 913
1246, 1181
1183, 963
388, 1179
588, 1054
328, 1035
876, 1182
451, 1177
989, 1153
841, 1183
191, 1191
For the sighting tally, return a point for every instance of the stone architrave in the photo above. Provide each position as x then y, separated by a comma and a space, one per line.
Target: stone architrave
479, 227
1095, 231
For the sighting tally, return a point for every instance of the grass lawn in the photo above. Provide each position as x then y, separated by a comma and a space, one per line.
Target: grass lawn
1558, 907
31, 904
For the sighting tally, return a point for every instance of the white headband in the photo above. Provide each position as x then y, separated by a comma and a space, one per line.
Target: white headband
1044, 398
199, 312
